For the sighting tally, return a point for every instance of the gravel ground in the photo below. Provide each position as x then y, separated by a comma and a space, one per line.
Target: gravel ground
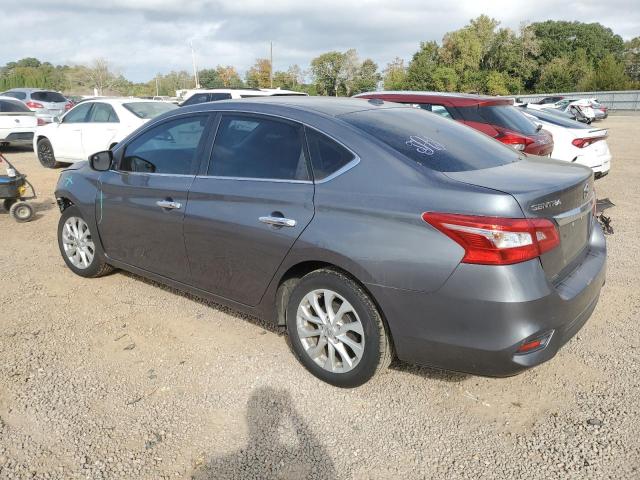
122, 378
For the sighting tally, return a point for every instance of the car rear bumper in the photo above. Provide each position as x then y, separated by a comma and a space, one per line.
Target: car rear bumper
21, 137
477, 321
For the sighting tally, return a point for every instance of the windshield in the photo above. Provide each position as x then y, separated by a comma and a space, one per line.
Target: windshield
555, 119
432, 141
148, 110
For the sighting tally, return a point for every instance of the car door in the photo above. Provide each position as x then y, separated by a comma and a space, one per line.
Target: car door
142, 201
67, 136
249, 207
100, 129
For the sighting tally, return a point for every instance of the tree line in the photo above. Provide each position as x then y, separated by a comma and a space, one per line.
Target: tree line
482, 57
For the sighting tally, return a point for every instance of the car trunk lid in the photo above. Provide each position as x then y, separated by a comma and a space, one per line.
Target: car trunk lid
560, 192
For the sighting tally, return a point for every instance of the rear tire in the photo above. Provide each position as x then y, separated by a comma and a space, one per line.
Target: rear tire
45, 154
82, 254
344, 344
21, 212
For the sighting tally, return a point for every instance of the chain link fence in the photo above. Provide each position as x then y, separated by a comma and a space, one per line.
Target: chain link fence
615, 101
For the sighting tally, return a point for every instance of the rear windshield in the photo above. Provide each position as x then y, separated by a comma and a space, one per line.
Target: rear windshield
432, 141
562, 121
11, 106
505, 116
52, 97
149, 109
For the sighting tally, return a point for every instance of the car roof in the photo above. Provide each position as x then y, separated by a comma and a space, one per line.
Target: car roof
7, 98
30, 90
118, 100
327, 106
456, 99
248, 91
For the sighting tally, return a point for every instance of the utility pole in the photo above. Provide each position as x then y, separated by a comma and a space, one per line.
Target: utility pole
271, 64
195, 69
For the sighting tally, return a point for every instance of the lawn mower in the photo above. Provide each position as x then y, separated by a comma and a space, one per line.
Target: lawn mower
13, 189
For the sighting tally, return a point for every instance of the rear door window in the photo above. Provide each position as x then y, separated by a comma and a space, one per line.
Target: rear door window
18, 95
503, 116
103, 113
259, 147
51, 97
168, 148
431, 141
327, 156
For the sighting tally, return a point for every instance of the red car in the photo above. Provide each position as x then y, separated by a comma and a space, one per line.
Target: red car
495, 116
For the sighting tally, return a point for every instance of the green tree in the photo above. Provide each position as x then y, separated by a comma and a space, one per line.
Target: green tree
209, 78
367, 77
395, 75
632, 58
556, 76
609, 75
326, 70
421, 67
259, 75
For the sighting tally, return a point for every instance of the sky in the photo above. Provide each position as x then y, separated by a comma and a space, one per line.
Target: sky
141, 38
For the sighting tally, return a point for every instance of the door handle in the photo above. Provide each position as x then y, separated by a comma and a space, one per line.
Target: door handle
278, 221
168, 204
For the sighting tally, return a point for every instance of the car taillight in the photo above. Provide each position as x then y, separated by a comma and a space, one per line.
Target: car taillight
585, 142
41, 122
34, 105
496, 240
68, 106
513, 139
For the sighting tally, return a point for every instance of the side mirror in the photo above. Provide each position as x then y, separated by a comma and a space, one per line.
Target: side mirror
101, 161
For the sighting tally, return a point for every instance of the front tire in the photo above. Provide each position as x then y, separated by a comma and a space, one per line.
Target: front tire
45, 154
80, 251
336, 330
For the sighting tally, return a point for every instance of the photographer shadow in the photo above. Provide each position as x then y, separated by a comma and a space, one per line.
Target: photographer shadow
280, 446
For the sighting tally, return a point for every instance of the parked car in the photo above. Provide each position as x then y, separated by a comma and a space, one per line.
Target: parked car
581, 109
201, 96
17, 122
365, 228
45, 103
548, 100
495, 116
91, 126
575, 142
601, 112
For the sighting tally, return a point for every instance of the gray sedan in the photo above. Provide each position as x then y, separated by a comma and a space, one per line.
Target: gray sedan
368, 229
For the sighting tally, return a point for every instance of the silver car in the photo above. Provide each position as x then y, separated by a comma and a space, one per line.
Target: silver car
47, 104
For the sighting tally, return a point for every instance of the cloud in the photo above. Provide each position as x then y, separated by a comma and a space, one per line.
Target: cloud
144, 37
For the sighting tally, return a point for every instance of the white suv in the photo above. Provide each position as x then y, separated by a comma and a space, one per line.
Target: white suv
193, 97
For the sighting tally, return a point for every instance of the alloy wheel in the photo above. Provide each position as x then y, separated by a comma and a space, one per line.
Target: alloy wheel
330, 331
78, 245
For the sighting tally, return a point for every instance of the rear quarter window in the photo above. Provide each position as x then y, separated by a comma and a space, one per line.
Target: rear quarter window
327, 156
432, 141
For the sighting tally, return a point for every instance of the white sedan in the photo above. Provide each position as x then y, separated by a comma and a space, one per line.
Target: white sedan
93, 126
574, 141
17, 122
